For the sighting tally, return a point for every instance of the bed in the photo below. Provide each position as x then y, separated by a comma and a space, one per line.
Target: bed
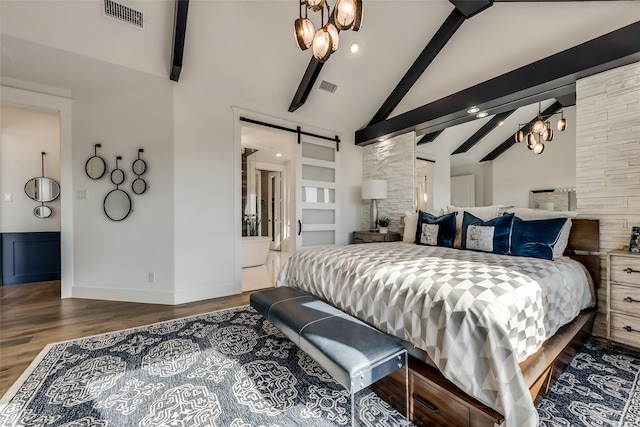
485, 331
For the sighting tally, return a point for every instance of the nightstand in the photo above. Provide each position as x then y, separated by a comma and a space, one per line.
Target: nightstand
373, 237
623, 297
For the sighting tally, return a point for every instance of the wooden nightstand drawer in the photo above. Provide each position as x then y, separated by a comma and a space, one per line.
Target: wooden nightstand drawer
625, 269
373, 237
430, 406
625, 299
625, 329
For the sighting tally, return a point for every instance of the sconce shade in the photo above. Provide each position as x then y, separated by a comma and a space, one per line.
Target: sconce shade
322, 44
304, 32
374, 189
347, 14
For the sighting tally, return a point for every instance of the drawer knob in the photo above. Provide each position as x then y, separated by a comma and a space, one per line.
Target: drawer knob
425, 404
629, 329
629, 299
630, 270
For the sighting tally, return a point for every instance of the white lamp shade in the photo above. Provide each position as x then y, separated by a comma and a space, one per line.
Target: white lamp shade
374, 189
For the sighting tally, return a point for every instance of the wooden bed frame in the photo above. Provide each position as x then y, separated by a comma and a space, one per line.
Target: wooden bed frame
435, 401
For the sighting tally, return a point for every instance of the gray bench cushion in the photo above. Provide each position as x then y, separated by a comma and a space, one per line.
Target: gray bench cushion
354, 353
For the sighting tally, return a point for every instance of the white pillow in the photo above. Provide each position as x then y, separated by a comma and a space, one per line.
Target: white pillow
527, 214
485, 213
410, 227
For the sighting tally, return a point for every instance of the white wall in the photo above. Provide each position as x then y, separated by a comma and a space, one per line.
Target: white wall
24, 135
113, 259
483, 174
518, 170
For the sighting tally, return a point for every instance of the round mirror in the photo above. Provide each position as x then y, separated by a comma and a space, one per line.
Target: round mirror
117, 205
117, 176
42, 211
139, 167
42, 189
95, 167
139, 186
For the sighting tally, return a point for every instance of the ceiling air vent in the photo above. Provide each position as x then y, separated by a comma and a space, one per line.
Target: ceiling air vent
329, 87
124, 13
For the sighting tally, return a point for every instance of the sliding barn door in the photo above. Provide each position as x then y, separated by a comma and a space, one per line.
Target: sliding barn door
316, 193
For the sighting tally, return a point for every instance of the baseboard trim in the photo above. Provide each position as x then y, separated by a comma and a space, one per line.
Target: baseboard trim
147, 296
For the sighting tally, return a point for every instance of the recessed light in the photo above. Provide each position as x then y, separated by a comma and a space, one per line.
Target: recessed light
501, 123
354, 47
278, 155
473, 110
481, 115
380, 139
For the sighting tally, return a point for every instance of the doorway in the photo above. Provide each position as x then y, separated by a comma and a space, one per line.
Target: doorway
268, 201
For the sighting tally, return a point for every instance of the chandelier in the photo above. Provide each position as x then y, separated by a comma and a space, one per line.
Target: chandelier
346, 15
540, 131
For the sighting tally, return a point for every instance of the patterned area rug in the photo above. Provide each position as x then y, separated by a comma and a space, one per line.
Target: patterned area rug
598, 389
227, 368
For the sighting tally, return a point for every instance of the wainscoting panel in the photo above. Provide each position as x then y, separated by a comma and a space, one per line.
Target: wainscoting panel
30, 257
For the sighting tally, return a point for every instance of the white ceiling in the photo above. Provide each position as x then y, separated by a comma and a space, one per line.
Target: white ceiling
249, 44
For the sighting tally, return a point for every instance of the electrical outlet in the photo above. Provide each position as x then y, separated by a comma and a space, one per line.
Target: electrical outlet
8, 197
152, 277
82, 194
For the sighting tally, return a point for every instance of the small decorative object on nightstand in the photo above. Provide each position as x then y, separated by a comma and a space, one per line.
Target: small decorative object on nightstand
623, 297
373, 237
384, 222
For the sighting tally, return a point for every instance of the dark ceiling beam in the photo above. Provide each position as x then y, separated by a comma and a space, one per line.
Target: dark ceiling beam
471, 7
515, 88
306, 84
495, 121
179, 34
567, 100
430, 137
435, 45
509, 142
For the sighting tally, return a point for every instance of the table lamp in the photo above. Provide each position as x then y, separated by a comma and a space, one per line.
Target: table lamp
374, 190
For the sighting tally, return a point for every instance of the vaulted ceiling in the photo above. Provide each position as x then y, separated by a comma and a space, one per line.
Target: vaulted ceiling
250, 45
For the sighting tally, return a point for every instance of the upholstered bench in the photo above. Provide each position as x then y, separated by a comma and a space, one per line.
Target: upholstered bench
352, 352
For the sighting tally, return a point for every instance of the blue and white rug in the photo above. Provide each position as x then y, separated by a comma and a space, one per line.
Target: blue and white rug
227, 368
598, 389
233, 368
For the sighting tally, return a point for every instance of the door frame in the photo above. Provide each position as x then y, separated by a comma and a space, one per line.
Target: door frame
62, 105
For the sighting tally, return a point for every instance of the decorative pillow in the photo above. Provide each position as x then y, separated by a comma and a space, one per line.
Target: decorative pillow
485, 213
410, 227
487, 236
528, 214
436, 231
536, 238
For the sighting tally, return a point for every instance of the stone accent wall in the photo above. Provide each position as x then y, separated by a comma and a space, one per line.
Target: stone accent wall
394, 161
608, 160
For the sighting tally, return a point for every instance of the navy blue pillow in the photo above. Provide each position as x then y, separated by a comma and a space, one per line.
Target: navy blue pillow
487, 236
535, 238
436, 231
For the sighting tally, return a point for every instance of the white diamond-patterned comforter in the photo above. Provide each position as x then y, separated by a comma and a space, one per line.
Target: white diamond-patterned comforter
477, 315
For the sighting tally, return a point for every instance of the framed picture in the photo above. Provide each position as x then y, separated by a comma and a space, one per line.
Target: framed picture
634, 244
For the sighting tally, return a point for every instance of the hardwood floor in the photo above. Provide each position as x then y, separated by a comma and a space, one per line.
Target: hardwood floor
33, 315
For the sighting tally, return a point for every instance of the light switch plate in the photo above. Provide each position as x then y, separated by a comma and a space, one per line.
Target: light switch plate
8, 197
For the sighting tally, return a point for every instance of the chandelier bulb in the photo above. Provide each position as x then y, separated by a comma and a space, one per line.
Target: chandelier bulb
304, 32
322, 44
335, 39
562, 124
538, 148
315, 5
347, 14
519, 136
